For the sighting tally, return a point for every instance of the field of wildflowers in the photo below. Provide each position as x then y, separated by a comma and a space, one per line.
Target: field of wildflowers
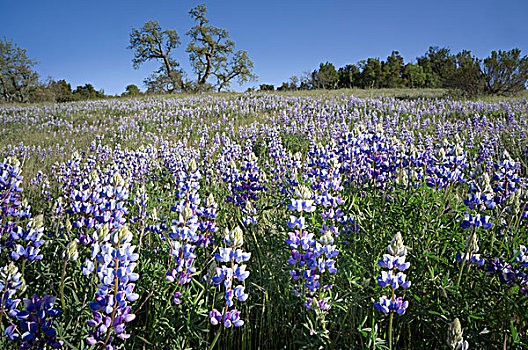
264, 221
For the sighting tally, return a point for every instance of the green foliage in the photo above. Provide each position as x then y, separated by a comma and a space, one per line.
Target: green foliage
131, 90
287, 86
87, 92
414, 76
326, 77
467, 77
17, 76
150, 42
61, 90
239, 67
506, 72
266, 87
441, 62
349, 76
371, 73
392, 70
41, 93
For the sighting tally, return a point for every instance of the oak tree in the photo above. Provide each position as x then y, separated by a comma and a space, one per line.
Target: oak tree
17, 77
212, 53
150, 42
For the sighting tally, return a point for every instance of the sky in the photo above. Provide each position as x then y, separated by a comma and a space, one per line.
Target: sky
86, 41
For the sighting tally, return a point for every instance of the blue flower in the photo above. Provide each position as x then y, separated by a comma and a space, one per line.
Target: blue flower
394, 278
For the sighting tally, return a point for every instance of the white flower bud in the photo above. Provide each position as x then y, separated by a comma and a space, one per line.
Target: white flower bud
210, 201
192, 166
327, 238
122, 235
102, 234
396, 246
455, 336
234, 238
71, 253
303, 192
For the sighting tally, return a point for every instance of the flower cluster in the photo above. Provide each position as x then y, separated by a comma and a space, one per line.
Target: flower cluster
226, 275
36, 324
367, 156
447, 165
185, 236
470, 255
310, 258
455, 337
10, 189
481, 195
18, 241
394, 278
245, 186
10, 281
25, 242
116, 261
514, 273
99, 200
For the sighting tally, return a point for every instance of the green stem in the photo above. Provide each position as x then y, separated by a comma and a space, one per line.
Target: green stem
2, 311
463, 263
211, 347
23, 267
62, 285
390, 330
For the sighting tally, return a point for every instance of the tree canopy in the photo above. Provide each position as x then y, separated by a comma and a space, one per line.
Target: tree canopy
17, 76
150, 42
212, 53
505, 72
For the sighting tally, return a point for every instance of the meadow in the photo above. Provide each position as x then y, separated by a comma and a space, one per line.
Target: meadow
340, 220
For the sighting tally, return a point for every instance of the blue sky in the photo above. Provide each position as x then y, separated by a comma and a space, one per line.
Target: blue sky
86, 41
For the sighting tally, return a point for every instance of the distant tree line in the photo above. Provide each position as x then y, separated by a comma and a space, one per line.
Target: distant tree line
216, 64
503, 72
19, 82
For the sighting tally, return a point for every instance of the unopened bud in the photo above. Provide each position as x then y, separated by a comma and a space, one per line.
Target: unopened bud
122, 235
455, 337
303, 192
192, 166
210, 201
102, 234
235, 237
71, 253
396, 246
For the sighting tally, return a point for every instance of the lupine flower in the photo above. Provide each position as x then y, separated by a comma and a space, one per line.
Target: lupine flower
521, 256
472, 248
71, 253
245, 185
515, 273
10, 281
478, 220
36, 323
99, 200
25, 242
310, 258
226, 275
116, 262
455, 337
394, 278
185, 235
